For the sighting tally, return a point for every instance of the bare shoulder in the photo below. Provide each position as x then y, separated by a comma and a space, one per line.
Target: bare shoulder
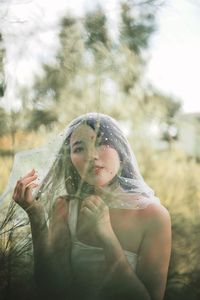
156, 210
156, 216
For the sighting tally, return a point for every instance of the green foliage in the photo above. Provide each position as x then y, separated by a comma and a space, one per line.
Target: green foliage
3, 122
94, 72
39, 117
2, 54
2, 89
96, 29
127, 71
164, 110
16, 273
137, 24
57, 77
175, 179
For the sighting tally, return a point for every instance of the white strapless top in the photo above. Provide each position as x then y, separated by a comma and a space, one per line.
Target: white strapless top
88, 262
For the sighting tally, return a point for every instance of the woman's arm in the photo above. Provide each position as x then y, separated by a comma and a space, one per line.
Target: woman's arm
155, 251
22, 195
59, 243
49, 244
148, 282
51, 250
39, 231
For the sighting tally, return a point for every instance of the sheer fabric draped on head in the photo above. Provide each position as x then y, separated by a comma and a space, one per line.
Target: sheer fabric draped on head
57, 175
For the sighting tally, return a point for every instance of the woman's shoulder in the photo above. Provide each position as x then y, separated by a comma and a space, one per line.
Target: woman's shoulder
156, 215
148, 211
156, 210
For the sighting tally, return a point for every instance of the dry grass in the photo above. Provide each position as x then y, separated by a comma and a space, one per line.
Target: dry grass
23, 141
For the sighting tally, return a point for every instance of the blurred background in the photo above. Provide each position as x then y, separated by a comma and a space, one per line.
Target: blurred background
136, 60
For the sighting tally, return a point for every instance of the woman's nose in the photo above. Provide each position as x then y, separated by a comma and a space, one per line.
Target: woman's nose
94, 153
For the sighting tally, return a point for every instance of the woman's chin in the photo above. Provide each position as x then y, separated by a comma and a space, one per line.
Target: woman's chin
98, 182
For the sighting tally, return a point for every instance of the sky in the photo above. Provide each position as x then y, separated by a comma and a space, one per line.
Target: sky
174, 60
175, 53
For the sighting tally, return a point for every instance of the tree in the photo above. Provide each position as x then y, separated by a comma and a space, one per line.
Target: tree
3, 122
2, 53
39, 117
52, 89
162, 110
68, 60
89, 62
137, 24
96, 29
3, 113
71, 85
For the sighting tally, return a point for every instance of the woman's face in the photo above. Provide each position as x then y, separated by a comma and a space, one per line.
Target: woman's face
96, 163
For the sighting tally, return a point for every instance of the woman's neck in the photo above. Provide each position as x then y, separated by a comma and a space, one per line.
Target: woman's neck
88, 189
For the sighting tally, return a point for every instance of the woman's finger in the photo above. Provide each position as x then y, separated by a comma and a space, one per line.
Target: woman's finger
89, 204
94, 199
19, 191
23, 182
31, 173
31, 185
99, 203
28, 180
28, 190
86, 211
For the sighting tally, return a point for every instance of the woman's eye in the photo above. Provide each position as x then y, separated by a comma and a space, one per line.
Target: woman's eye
78, 149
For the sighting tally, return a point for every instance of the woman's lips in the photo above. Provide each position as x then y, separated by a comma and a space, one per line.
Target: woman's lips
97, 169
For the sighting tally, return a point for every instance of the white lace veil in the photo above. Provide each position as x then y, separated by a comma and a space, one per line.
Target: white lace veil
57, 176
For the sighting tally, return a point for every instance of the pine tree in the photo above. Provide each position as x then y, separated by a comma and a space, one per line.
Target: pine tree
95, 24
138, 23
2, 53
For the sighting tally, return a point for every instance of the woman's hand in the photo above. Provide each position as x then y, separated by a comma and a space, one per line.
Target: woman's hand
94, 215
23, 190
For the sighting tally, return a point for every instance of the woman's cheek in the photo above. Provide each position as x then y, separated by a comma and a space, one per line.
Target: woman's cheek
76, 161
80, 164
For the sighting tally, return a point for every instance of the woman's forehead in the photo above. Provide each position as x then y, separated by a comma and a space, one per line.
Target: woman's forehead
83, 133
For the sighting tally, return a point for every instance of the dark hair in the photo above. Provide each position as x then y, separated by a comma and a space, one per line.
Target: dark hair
110, 134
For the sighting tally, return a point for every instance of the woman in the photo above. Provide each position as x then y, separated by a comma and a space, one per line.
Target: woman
108, 235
